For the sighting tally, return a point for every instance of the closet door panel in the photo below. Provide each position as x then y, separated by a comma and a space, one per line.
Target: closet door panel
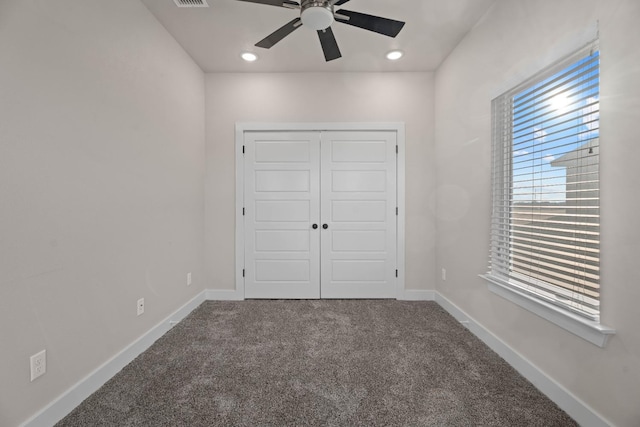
358, 204
282, 201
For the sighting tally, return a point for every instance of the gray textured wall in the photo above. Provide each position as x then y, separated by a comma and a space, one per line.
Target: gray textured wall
314, 97
101, 187
512, 42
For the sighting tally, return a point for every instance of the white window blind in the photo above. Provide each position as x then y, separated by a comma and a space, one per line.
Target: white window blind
545, 231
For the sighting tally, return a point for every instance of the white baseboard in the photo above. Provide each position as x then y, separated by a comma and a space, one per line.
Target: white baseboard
66, 402
417, 295
576, 408
223, 295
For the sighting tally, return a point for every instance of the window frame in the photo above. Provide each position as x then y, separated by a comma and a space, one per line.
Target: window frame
506, 287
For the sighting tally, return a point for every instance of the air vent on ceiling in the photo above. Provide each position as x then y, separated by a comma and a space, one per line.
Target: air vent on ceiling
191, 3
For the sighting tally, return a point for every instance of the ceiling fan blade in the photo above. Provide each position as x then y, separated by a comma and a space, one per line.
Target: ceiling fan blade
329, 44
282, 32
339, 2
281, 3
388, 27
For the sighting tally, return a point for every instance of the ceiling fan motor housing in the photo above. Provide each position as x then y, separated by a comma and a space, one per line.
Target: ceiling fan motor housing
317, 15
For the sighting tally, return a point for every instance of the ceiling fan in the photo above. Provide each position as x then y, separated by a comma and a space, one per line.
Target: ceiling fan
319, 15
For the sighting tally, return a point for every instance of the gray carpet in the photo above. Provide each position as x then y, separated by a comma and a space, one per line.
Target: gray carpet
318, 363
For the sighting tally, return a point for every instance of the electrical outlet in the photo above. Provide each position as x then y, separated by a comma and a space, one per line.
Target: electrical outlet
444, 274
140, 306
188, 279
38, 364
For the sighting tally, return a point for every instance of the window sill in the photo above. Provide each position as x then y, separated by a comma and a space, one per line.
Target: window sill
589, 330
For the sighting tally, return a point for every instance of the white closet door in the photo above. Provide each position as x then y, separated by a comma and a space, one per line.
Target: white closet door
358, 205
282, 201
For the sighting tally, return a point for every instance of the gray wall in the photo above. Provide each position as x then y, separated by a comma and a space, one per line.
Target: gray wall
312, 97
101, 187
513, 41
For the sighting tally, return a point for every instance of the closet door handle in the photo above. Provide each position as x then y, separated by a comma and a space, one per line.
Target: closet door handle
314, 226
325, 226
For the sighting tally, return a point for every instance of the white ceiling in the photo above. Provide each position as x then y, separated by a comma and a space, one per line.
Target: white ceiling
216, 36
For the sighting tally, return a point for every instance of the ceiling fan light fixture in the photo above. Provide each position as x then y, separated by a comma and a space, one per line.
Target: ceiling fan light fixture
249, 56
394, 55
317, 17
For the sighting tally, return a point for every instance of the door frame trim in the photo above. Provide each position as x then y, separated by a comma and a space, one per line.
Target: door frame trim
243, 127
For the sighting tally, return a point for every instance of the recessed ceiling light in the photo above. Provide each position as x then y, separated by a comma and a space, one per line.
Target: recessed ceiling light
394, 55
249, 57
